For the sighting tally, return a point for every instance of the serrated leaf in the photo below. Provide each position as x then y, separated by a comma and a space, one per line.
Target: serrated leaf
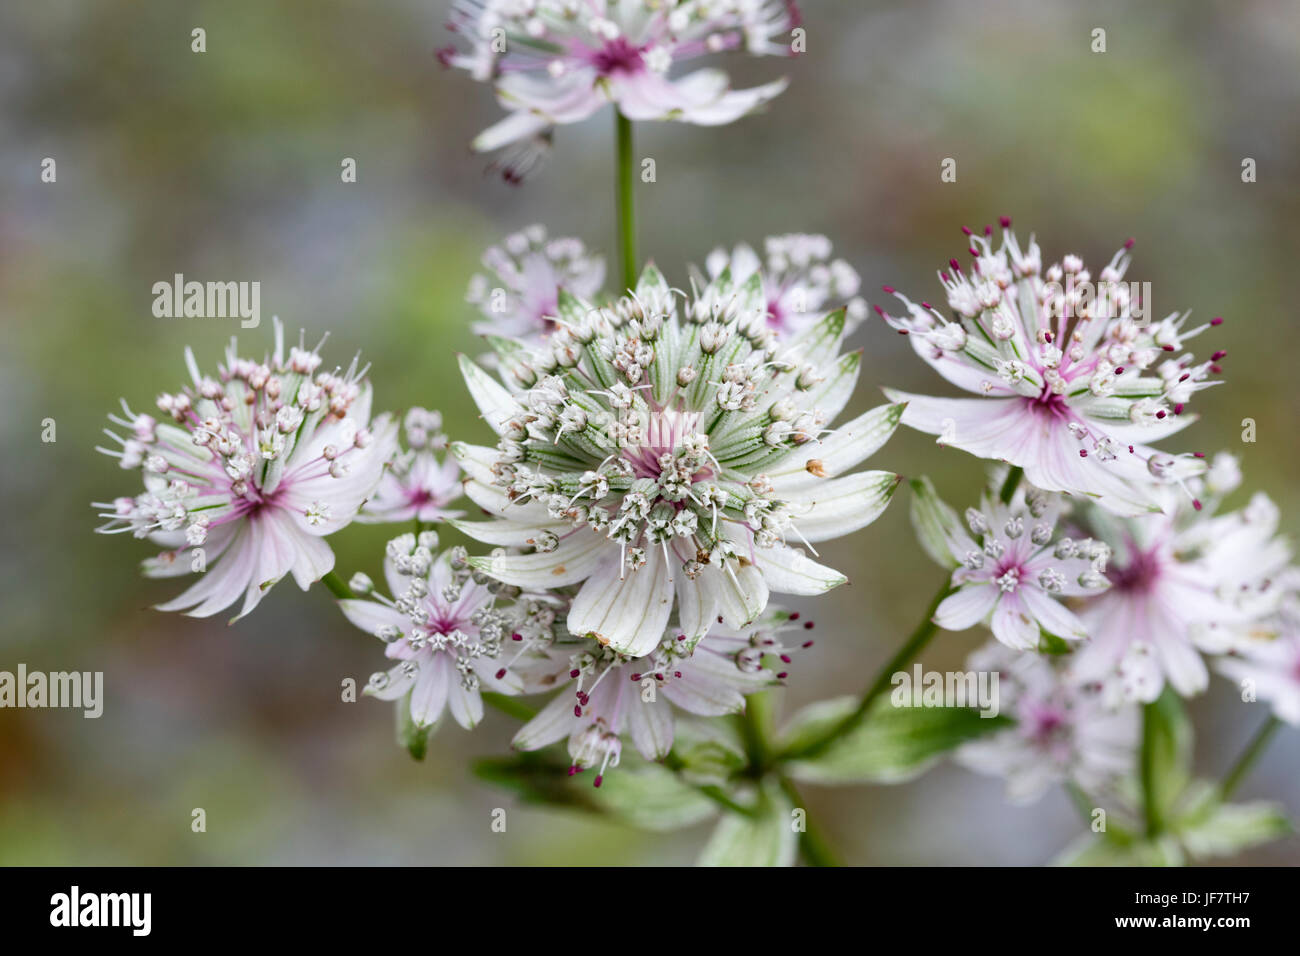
767, 838
891, 745
1093, 850
1224, 829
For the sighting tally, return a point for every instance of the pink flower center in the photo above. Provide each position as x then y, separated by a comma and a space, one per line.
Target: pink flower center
618, 56
1139, 576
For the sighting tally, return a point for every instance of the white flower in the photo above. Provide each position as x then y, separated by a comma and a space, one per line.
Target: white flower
518, 295
1064, 729
254, 468
1183, 583
1267, 662
557, 61
801, 281
615, 696
416, 485
452, 634
669, 462
1013, 572
1072, 385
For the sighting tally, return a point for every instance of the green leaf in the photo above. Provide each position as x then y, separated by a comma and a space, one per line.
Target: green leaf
767, 838
1208, 828
891, 745
1092, 850
935, 521
1166, 755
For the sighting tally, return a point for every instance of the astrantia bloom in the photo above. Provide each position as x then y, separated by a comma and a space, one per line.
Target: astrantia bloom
1073, 383
251, 469
416, 486
614, 696
560, 61
452, 635
1269, 664
518, 294
1065, 730
801, 281
1182, 583
1016, 574
664, 460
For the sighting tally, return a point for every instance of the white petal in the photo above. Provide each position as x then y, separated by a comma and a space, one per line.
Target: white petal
849, 445
573, 561
789, 571
497, 405
842, 505
966, 607
626, 610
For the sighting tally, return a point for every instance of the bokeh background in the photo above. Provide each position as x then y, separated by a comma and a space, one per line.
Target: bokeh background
225, 165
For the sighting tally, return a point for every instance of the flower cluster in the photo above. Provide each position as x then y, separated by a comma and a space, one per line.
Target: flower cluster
1185, 582
801, 282
417, 486
1065, 729
452, 631
1073, 382
250, 470
672, 461
1013, 570
519, 293
554, 62
614, 695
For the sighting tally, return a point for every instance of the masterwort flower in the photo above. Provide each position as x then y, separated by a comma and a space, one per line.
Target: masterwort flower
452, 632
519, 292
1183, 583
1013, 571
663, 460
1065, 730
801, 281
614, 696
1074, 381
416, 485
247, 473
1268, 662
553, 62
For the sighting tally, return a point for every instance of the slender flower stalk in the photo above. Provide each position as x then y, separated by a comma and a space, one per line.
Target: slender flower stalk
626, 201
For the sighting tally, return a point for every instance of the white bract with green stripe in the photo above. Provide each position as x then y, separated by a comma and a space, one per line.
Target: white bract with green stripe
673, 458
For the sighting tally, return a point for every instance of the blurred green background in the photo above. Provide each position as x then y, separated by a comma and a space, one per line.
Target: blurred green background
225, 165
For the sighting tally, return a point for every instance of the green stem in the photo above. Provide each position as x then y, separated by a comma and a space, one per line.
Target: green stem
1248, 756
925, 630
625, 200
509, 706
1150, 801
337, 586
1009, 486
813, 845
715, 793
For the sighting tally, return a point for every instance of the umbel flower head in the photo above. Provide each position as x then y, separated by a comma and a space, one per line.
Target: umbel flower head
452, 632
253, 469
672, 459
615, 696
1073, 383
416, 485
1065, 730
801, 281
560, 61
518, 294
1183, 583
1268, 661
1013, 571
